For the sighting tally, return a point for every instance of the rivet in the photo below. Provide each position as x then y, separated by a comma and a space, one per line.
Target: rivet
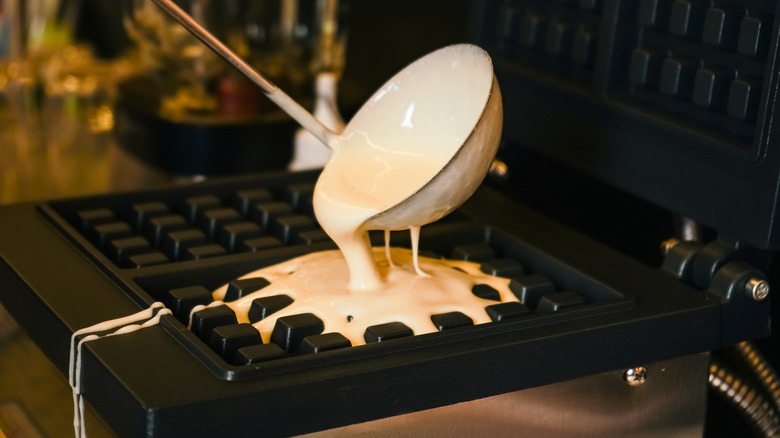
499, 170
635, 376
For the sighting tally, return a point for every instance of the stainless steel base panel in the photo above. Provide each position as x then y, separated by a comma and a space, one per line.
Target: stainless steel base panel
670, 402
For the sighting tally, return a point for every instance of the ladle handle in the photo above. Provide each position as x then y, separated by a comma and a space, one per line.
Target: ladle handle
279, 97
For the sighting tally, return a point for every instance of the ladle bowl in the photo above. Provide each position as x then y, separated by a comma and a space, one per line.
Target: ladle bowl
428, 135
444, 108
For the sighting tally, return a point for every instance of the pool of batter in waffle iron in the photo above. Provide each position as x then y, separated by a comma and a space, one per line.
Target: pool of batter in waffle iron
309, 294
304, 305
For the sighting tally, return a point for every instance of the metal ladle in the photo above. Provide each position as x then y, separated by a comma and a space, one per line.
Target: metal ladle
449, 100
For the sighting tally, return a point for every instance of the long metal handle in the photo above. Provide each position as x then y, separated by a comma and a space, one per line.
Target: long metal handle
285, 102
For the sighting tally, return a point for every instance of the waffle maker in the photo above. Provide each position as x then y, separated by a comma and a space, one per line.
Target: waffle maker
671, 101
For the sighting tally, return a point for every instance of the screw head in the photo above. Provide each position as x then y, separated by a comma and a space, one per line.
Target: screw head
757, 289
635, 376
